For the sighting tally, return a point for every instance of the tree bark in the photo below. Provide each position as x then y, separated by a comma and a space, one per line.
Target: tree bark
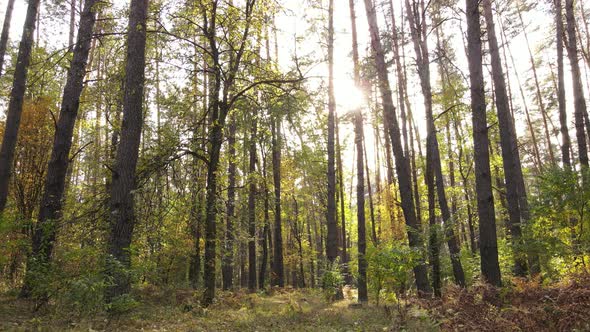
360, 202
433, 160
122, 214
15, 105
579, 100
488, 246
332, 235
50, 213
252, 282
565, 136
227, 268
537, 89
510, 155
401, 160
5, 32
278, 275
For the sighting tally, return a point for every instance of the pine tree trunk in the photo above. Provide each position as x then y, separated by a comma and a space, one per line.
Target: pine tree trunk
227, 267
579, 100
332, 235
278, 275
15, 105
122, 219
5, 33
72, 25
433, 161
252, 282
370, 193
537, 90
342, 230
360, 203
50, 213
490, 267
510, 155
401, 160
264, 243
565, 136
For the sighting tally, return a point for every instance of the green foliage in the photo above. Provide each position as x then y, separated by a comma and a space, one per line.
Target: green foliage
332, 280
560, 221
83, 295
122, 304
390, 268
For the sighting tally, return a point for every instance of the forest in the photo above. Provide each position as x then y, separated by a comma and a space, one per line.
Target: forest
295, 165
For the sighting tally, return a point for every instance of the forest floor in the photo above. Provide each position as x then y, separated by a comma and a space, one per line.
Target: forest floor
520, 306
288, 310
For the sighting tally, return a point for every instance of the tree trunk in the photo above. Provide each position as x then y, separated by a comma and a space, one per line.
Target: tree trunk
264, 243
579, 100
342, 237
50, 213
15, 106
360, 202
401, 160
510, 155
278, 275
537, 89
332, 235
5, 32
488, 246
370, 192
227, 267
537, 156
252, 285
72, 25
565, 136
433, 161
122, 219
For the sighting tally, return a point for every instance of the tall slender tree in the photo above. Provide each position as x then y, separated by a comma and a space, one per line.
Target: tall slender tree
252, 280
360, 178
121, 204
278, 269
227, 270
579, 99
332, 235
433, 160
15, 105
50, 212
508, 141
565, 136
401, 159
5, 32
488, 242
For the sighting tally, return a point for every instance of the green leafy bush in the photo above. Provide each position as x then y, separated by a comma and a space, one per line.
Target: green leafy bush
332, 280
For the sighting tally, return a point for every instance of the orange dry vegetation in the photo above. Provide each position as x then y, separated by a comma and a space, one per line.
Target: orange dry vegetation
524, 306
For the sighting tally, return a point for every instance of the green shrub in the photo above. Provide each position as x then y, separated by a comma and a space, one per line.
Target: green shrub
332, 281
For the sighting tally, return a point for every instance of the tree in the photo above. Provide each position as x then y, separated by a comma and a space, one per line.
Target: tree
50, 212
15, 106
360, 178
252, 284
401, 159
5, 31
227, 267
565, 136
332, 236
580, 110
433, 160
121, 203
510, 156
488, 245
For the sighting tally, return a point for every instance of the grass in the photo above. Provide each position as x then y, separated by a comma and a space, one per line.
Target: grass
288, 310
